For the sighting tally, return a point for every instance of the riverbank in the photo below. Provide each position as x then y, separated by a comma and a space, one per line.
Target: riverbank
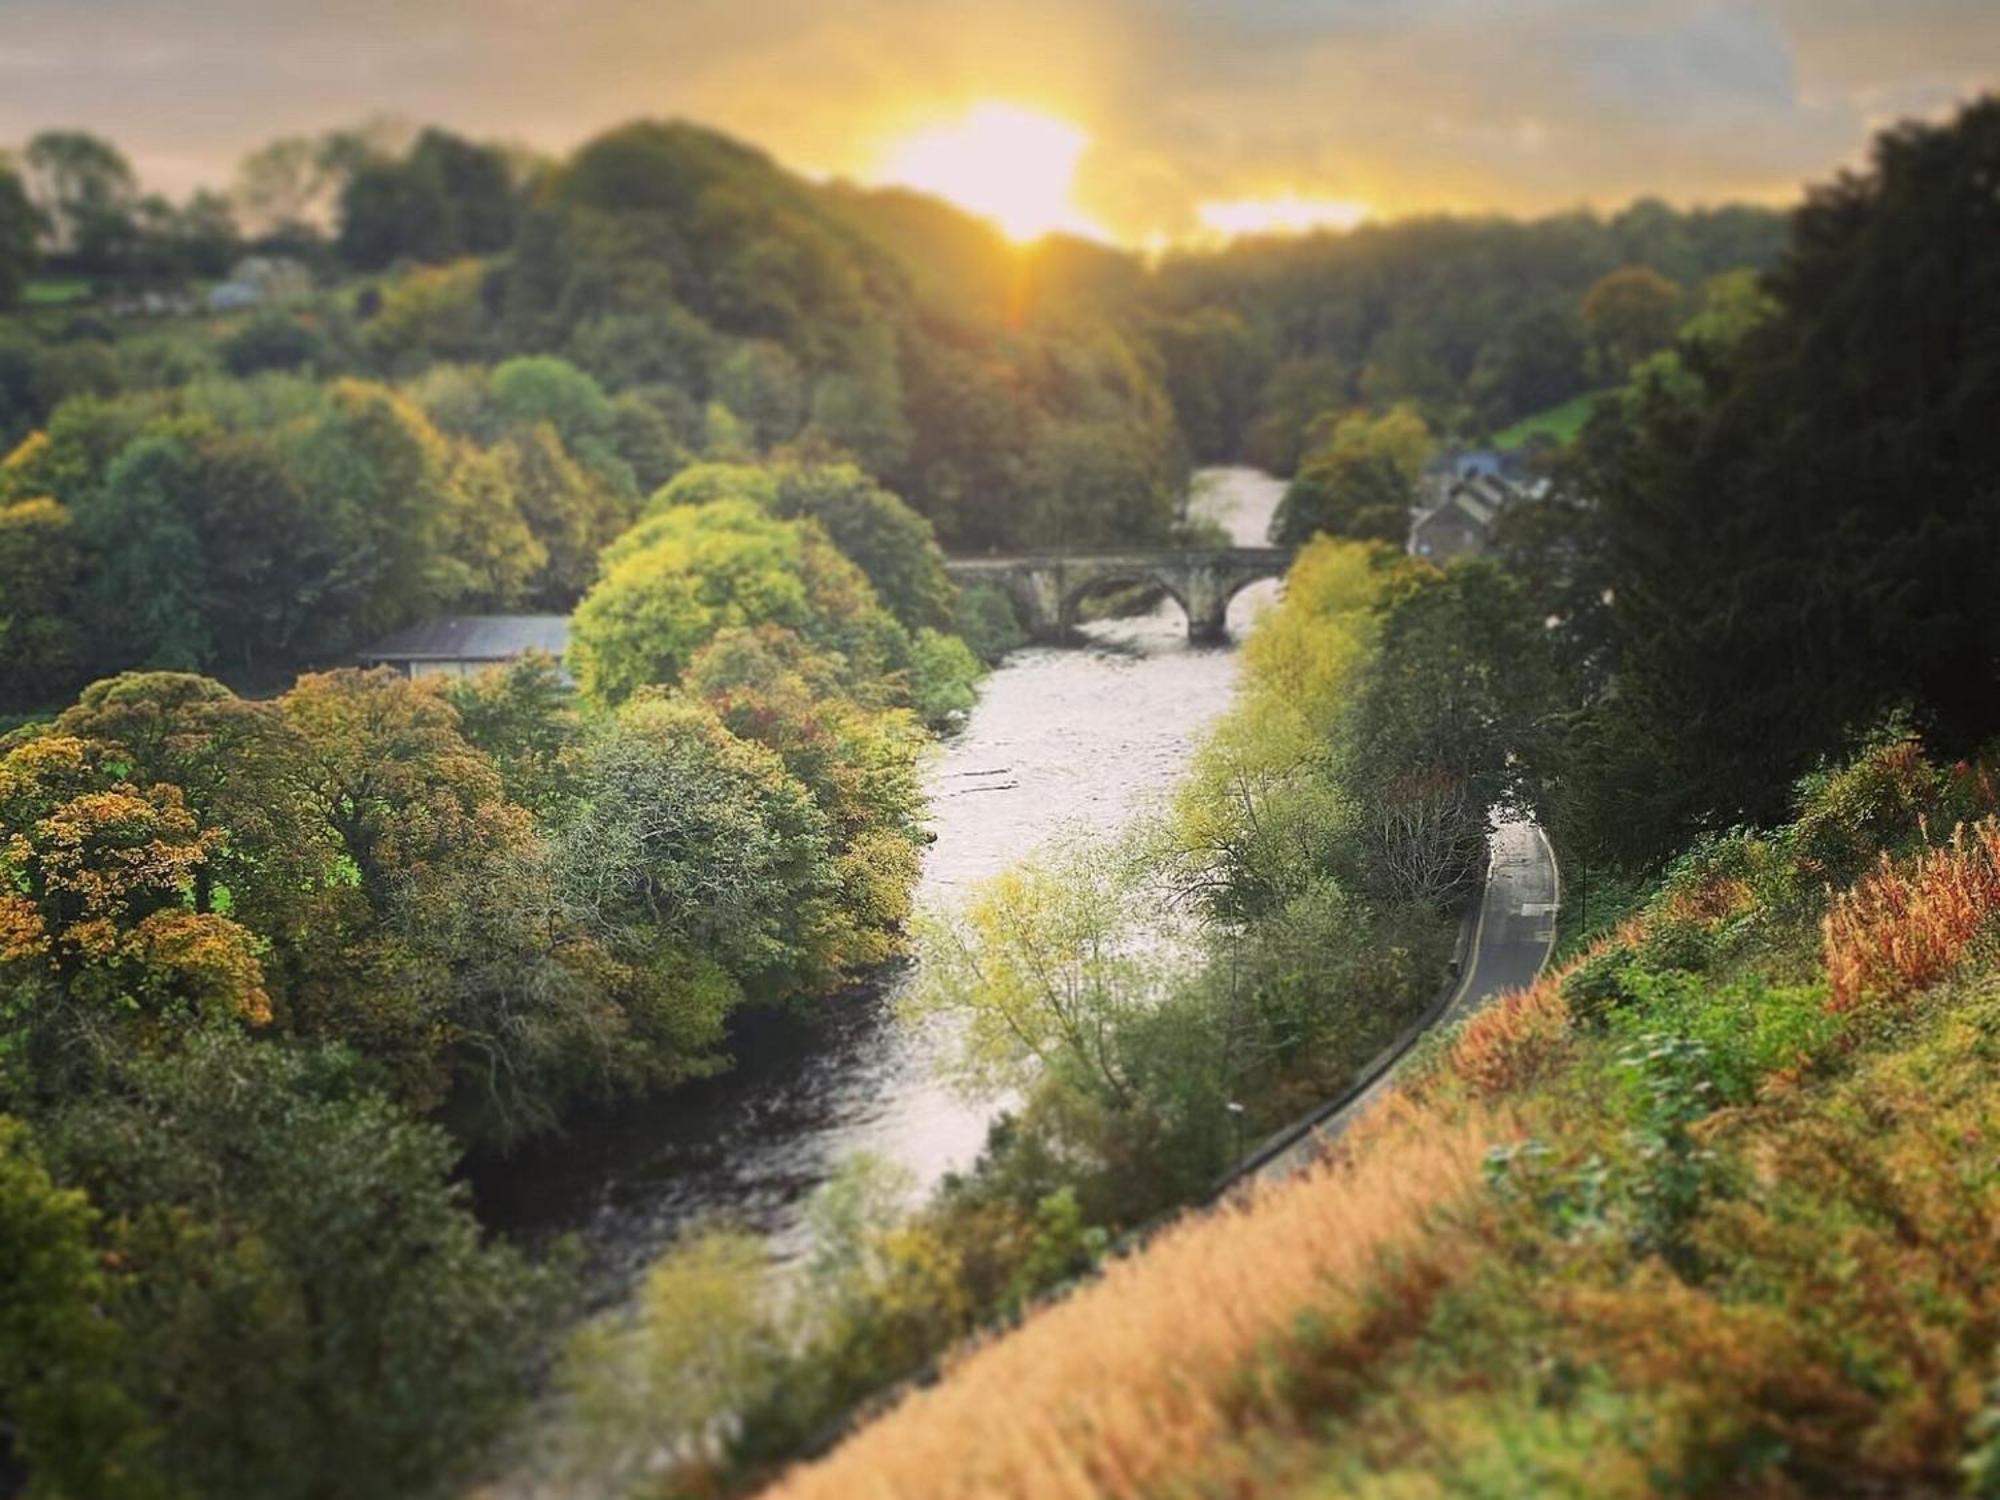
1061, 738
1694, 1209
1149, 998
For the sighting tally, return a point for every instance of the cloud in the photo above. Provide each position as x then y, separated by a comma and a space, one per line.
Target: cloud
1404, 104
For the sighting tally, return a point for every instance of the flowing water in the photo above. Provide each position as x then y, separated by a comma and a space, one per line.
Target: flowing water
1061, 737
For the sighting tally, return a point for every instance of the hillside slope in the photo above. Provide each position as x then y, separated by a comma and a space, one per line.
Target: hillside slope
1710, 1209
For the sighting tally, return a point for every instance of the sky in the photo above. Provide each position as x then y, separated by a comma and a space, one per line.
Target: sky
1142, 121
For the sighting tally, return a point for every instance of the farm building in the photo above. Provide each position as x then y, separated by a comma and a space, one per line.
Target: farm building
465, 645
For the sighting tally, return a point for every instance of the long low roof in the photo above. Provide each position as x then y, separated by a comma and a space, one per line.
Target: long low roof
474, 638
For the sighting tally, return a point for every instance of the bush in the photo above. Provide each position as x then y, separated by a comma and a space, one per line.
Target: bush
271, 341
987, 622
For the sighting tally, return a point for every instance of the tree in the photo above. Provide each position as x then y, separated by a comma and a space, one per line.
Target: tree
1215, 362
308, 1308
570, 513
445, 199
202, 235
876, 531
41, 573
524, 716
86, 192
1446, 718
761, 382
105, 942
477, 182
1297, 391
697, 845
1044, 965
498, 558
69, 1423
272, 341
860, 765
1803, 534
432, 313
1629, 313
374, 462
286, 185
860, 409
20, 229
684, 574
1357, 480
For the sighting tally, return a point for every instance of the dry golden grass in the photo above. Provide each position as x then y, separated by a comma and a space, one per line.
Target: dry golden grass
1135, 1376
1523, 1035
1905, 926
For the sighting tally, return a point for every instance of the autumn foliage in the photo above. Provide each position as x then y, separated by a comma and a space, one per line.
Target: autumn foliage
1734, 1232
1133, 1378
1907, 924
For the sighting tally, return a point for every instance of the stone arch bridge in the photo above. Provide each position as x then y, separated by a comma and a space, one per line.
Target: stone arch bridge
1048, 588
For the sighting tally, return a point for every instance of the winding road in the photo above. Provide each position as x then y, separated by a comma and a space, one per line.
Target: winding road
1512, 937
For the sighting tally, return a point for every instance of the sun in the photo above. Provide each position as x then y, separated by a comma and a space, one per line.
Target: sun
1014, 166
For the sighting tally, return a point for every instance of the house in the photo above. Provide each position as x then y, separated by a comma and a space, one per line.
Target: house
261, 281
1464, 510
466, 645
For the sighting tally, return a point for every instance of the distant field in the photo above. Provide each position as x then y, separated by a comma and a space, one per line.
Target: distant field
53, 293
1562, 423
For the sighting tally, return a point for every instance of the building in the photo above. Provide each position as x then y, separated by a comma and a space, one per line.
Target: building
1464, 508
261, 281
466, 645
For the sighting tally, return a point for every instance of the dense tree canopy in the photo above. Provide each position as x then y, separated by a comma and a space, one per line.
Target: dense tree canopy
684, 574
1357, 478
1800, 515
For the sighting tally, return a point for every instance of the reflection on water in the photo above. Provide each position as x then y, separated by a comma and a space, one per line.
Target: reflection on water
1060, 737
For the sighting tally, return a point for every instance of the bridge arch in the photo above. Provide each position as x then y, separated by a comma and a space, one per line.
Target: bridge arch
1048, 587
1072, 598
1231, 586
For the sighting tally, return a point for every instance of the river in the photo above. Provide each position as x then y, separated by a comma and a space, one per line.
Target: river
1061, 737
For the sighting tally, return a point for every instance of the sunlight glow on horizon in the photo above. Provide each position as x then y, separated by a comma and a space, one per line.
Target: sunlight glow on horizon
1012, 165
1286, 213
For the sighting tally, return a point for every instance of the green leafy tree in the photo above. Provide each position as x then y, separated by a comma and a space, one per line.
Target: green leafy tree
1803, 535
309, 1309
695, 844
1045, 965
684, 574
71, 1426
1446, 718
86, 192
20, 230
41, 577
447, 198
1357, 480
888, 541
432, 312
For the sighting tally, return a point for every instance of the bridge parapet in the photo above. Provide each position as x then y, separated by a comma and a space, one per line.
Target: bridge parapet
1049, 587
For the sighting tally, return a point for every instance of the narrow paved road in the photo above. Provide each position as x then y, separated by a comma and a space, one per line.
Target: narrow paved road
1514, 935
1517, 922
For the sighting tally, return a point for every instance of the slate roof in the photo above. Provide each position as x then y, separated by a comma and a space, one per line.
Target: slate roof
474, 638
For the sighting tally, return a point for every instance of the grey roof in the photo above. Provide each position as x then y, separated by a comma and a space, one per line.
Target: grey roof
474, 638
1480, 509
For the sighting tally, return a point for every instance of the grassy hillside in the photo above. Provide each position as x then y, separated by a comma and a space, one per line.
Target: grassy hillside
1559, 424
1711, 1209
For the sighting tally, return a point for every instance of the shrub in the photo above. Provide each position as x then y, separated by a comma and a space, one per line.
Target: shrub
1905, 926
987, 622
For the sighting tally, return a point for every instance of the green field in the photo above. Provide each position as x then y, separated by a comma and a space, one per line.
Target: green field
53, 292
1561, 423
